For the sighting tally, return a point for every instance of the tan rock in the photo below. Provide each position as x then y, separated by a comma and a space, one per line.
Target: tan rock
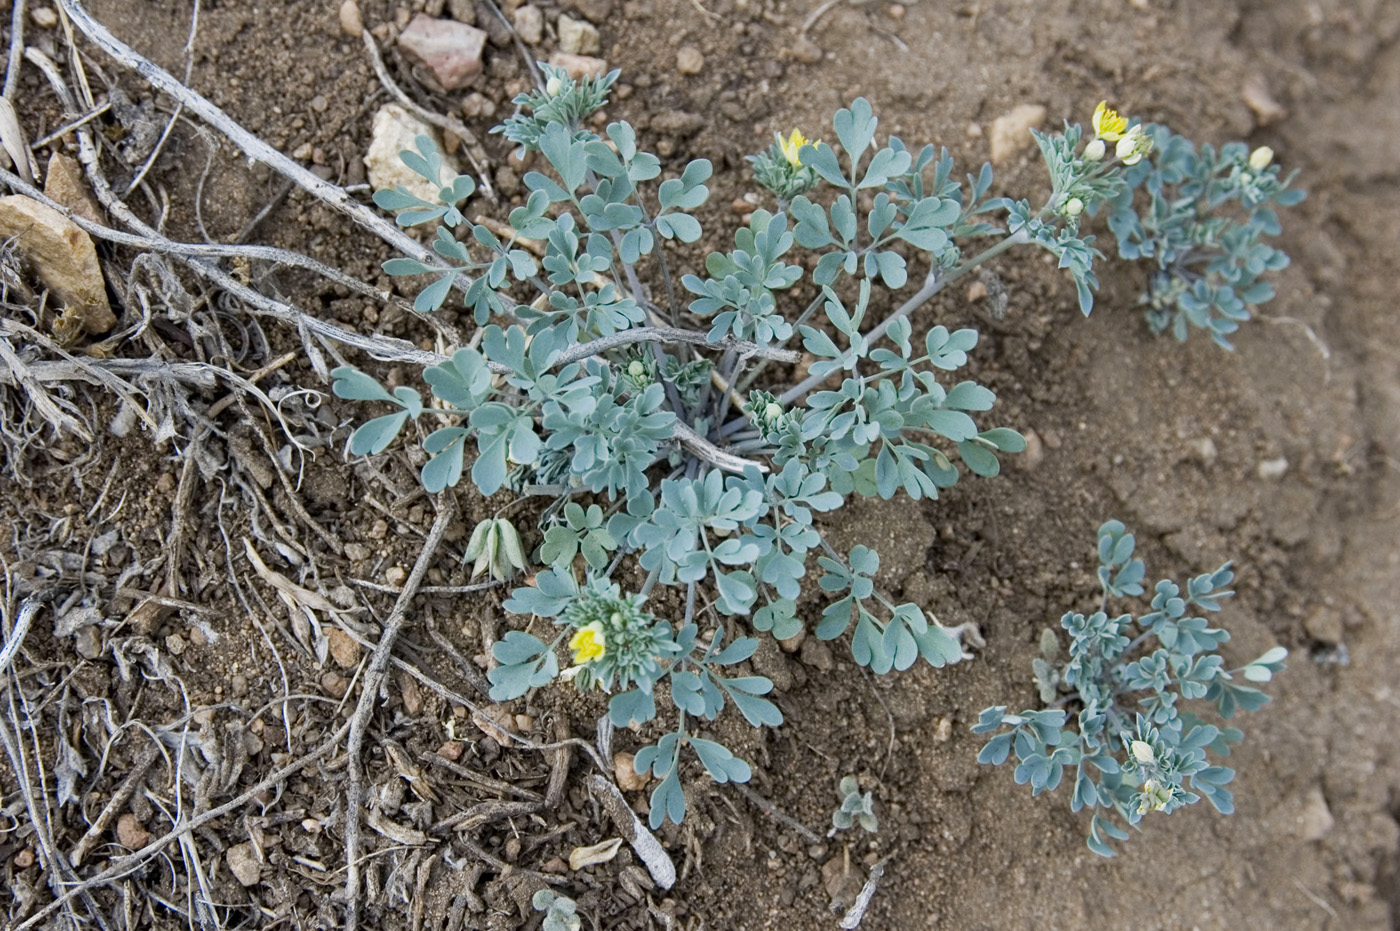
1011, 132
1258, 98
496, 722
63, 182
1315, 821
624, 768
1324, 625
689, 60
343, 648
243, 863
577, 37
131, 833
579, 66
394, 130
350, 20
529, 23
64, 259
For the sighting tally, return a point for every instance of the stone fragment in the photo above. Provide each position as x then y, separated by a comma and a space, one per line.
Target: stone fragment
977, 291
63, 182
1325, 626
1315, 821
806, 51
577, 37
1257, 97
449, 49
794, 643
1271, 470
131, 833
1203, 450
496, 722
394, 130
463, 11
1034, 454
88, 642
334, 684
689, 60
624, 768
64, 258
45, 17
529, 24
817, 655
1011, 132
593, 10
579, 66
351, 22
243, 863
395, 575
343, 648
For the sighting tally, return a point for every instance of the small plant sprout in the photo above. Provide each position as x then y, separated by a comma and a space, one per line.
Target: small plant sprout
560, 912
641, 406
856, 808
1133, 749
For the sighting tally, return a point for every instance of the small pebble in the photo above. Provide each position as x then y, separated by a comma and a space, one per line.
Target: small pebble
524, 723
806, 51
1203, 450
943, 730
351, 23
196, 637
628, 779
131, 833
1034, 454
334, 685
529, 24
24, 859
319, 103
976, 291
204, 717
379, 529
88, 642
477, 103
1325, 626
895, 11
579, 66
166, 483
577, 37
817, 655
175, 644
238, 684
1011, 132
1271, 470
343, 648
451, 750
689, 60
794, 643
463, 11
243, 863
358, 552
44, 17
395, 575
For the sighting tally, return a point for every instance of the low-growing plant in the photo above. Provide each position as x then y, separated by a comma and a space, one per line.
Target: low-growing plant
687, 454
856, 807
560, 911
1132, 748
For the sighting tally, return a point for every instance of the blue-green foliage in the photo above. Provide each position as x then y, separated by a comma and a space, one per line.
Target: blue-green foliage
1130, 747
656, 445
1202, 216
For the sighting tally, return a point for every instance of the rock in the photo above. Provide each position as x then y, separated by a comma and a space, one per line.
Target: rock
1034, 454
88, 642
243, 863
817, 654
977, 291
395, 129
628, 779
496, 722
452, 750
1011, 132
343, 648
395, 575
478, 104
449, 49
689, 60
677, 123
1271, 470
24, 859
529, 23
943, 730
1203, 451
175, 644
593, 10
351, 22
577, 37
463, 11
1315, 821
131, 833
334, 684
579, 66
794, 643
64, 259
1257, 97
806, 51
45, 17
1325, 626
358, 552
63, 182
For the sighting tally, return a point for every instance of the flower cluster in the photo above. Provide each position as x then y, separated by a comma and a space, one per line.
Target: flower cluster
780, 168
615, 640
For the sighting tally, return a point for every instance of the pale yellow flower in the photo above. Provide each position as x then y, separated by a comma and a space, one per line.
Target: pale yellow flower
588, 643
1155, 797
1094, 151
1109, 123
1074, 207
1260, 158
792, 147
1133, 146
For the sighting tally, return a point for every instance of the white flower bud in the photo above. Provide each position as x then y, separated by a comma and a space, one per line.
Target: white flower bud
1142, 751
1260, 158
554, 85
1074, 207
773, 411
1095, 150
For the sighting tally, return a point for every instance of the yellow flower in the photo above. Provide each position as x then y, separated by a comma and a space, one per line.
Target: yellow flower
588, 643
792, 146
1154, 797
1108, 123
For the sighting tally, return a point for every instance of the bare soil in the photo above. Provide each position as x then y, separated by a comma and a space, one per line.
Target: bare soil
1166, 437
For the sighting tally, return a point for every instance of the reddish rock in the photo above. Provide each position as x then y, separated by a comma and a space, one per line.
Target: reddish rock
449, 49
